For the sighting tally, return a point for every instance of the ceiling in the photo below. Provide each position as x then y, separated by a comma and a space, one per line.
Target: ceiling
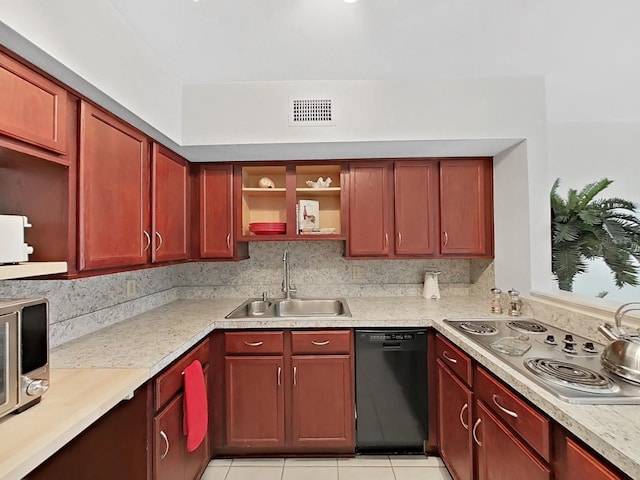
586, 49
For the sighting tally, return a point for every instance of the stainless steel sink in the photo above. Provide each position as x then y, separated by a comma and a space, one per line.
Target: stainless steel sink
294, 307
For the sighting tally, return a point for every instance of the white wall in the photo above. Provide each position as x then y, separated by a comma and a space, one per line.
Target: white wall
92, 39
584, 152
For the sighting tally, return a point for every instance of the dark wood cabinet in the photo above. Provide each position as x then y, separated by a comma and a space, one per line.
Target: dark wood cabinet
466, 207
285, 393
322, 398
575, 461
421, 208
455, 408
34, 109
254, 401
113, 203
170, 206
500, 454
216, 211
168, 442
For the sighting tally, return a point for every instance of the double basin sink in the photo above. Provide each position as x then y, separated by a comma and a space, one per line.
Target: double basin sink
294, 307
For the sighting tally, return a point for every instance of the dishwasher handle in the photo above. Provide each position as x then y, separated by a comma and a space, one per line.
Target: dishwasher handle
391, 345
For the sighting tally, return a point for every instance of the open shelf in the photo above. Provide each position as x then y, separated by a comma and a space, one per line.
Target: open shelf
31, 269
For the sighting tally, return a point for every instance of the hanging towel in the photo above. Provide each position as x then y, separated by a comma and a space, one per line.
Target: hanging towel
196, 419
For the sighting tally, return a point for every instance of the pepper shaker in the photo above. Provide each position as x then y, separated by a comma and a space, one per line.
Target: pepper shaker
514, 302
496, 304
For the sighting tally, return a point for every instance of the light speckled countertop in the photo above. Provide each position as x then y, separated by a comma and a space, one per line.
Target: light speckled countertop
154, 339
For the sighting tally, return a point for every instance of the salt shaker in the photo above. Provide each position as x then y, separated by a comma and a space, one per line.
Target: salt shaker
496, 304
514, 302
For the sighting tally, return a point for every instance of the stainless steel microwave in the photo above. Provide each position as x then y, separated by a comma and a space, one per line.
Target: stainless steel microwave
24, 353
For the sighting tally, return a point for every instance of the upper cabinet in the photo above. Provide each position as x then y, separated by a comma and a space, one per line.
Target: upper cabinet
421, 208
289, 201
113, 197
170, 206
466, 207
33, 109
216, 211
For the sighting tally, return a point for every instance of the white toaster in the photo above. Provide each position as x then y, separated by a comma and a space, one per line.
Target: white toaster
12, 246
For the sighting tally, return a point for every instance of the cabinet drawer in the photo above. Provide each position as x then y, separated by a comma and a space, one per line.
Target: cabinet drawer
168, 383
319, 342
455, 359
514, 412
258, 343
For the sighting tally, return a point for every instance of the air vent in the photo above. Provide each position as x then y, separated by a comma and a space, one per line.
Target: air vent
310, 112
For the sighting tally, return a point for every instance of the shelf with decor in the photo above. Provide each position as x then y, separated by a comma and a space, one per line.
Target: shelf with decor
269, 198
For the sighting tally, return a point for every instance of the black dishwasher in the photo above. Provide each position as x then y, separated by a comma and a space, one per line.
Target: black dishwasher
391, 390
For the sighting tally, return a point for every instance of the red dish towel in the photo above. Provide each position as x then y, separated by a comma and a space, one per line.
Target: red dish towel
196, 419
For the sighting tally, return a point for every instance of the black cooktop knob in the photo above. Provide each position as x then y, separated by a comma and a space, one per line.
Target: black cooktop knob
589, 347
568, 348
568, 338
551, 340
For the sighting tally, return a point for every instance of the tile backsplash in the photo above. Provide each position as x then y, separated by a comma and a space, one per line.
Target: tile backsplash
83, 305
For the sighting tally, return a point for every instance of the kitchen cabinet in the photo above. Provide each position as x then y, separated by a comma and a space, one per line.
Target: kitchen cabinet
455, 409
397, 208
171, 460
170, 208
216, 211
574, 461
113, 197
282, 396
466, 207
34, 109
278, 203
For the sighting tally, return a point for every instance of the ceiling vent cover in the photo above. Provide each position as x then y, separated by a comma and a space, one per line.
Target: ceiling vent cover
310, 112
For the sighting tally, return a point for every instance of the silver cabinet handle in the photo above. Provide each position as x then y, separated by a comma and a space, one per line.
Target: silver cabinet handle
279, 375
473, 432
452, 360
295, 375
228, 240
253, 344
320, 344
386, 239
464, 407
399, 238
146, 247
446, 238
160, 242
508, 412
166, 444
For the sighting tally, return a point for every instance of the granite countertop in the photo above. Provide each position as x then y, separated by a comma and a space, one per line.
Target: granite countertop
151, 341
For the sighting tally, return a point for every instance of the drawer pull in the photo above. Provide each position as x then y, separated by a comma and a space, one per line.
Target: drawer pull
446, 238
321, 344
473, 432
148, 237
279, 375
228, 240
399, 238
452, 360
464, 407
166, 444
253, 344
508, 412
295, 375
160, 241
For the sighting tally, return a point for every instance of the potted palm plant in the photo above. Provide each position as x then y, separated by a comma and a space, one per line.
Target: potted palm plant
585, 228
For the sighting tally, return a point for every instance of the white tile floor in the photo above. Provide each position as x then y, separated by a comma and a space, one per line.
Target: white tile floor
362, 467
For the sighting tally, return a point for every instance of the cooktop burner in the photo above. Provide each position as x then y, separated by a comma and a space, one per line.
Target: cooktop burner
478, 328
570, 375
527, 326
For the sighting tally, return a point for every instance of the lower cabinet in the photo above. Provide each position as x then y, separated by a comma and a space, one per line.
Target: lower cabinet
283, 396
576, 462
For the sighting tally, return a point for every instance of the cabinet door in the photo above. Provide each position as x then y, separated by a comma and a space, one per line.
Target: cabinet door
454, 424
322, 396
32, 108
168, 442
466, 207
416, 207
369, 209
195, 462
113, 192
501, 456
170, 208
579, 464
216, 209
254, 401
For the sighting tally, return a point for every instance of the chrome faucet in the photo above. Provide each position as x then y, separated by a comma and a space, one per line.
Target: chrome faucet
287, 288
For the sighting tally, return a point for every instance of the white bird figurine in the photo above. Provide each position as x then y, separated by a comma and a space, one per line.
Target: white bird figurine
320, 183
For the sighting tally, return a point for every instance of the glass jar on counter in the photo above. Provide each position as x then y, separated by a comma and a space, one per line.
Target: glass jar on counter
515, 304
496, 302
